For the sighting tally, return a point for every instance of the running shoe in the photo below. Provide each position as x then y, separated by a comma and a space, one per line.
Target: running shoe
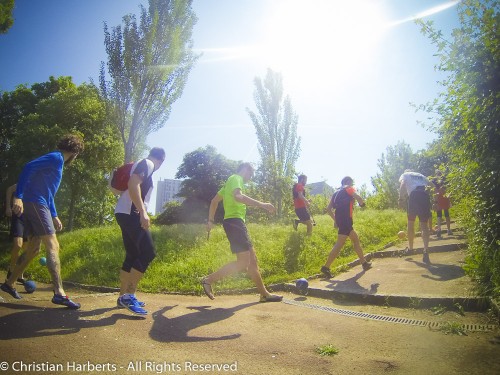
130, 302
140, 303
271, 298
12, 291
65, 301
326, 271
366, 266
207, 288
450, 232
295, 224
426, 258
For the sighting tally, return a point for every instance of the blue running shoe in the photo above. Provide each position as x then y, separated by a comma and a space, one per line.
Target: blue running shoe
12, 291
140, 303
130, 302
65, 301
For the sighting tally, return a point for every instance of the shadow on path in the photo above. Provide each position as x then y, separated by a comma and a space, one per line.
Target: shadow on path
34, 321
440, 272
351, 285
177, 329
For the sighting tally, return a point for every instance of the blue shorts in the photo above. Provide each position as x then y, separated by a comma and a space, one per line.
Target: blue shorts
37, 220
237, 234
345, 224
17, 227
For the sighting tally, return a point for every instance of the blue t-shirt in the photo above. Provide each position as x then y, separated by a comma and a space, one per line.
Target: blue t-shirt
40, 179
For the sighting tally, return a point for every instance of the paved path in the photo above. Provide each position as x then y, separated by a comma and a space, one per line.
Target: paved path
183, 332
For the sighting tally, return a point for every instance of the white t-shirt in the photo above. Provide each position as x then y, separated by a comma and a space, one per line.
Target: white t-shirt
144, 168
412, 180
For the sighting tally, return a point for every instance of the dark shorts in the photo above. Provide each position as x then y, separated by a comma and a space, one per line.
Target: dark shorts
138, 243
237, 234
303, 214
419, 204
345, 224
17, 227
439, 213
37, 220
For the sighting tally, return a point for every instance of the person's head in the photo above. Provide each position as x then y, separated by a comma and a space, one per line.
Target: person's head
71, 145
157, 156
347, 181
246, 170
302, 179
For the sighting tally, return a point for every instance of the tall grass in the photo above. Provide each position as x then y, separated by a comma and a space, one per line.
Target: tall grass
94, 256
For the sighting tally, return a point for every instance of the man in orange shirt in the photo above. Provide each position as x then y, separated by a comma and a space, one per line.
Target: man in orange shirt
301, 203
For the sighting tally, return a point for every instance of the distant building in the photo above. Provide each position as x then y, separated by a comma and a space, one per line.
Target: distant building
166, 191
317, 188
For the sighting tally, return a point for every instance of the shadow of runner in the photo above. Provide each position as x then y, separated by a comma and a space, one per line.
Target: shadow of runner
43, 321
351, 285
440, 272
177, 329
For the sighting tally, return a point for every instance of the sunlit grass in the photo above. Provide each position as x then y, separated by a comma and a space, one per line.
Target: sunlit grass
94, 256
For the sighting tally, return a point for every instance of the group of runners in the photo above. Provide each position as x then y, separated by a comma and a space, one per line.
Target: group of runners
34, 218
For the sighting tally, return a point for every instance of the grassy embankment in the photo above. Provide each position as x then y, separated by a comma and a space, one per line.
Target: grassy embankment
94, 256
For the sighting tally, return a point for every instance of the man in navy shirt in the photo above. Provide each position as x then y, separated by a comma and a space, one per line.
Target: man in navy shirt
34, 197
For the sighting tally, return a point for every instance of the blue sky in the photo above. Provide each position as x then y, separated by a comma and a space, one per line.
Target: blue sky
350, 67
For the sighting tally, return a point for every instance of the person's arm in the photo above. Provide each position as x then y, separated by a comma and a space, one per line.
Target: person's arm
8, 199
402, 193
245, 199
211, 212
134, 190
359, 199
301, 196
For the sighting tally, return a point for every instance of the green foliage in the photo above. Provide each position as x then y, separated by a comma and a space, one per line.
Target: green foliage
148, 63
170, 215
6, 18
279, 146
327, 350
453, 328
37, 118
94, 256
469, 109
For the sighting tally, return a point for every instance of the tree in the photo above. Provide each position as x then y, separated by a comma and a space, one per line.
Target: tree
279, 146
204, 171
42, 115
468, 112
6, 19
386, 182
148, 63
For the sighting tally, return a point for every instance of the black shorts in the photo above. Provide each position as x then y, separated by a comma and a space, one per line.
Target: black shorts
237, 234
345, 224
303, 214
17, 227
37, 220
138, 243
439, 213
419, 204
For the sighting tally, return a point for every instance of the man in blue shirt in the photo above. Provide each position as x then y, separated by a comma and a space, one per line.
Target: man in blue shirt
34, 197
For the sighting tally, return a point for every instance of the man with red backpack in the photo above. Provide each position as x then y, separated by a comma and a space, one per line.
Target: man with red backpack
340, 209
132, 217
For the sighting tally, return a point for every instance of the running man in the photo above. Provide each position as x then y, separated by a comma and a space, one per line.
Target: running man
132, 217
414, 185
17, 233
301, 204
235, 203
34, 198
340, 210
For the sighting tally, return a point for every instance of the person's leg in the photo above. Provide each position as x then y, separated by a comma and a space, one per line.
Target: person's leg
334, 253
309, 225
448, 221
53, 262
439, 222
411, 233
357, 246
17, 245
24, 259
241, 264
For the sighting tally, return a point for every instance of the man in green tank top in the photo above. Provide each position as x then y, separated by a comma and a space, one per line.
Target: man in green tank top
235, 202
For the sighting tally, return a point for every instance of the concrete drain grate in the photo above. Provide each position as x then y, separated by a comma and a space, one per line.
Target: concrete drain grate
385, 318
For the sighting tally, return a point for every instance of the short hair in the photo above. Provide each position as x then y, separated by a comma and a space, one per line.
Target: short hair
302, 177
71, 143
245, 165
157, 153
347, 181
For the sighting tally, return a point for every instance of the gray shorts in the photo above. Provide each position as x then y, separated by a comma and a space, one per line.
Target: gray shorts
37, 220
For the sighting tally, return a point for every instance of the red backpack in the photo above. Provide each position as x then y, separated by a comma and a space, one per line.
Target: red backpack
118, 181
